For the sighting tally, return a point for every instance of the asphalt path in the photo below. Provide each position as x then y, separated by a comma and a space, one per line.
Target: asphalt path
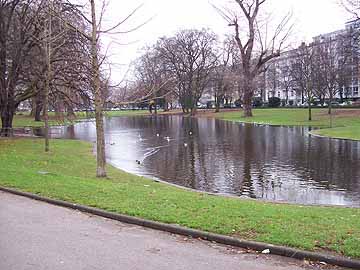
37, 236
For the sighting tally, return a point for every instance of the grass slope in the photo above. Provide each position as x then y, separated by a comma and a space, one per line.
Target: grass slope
71, 167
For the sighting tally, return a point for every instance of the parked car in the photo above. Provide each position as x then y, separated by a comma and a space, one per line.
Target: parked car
334, 104
346, 103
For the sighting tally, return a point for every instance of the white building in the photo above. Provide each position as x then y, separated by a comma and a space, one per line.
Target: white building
279, 80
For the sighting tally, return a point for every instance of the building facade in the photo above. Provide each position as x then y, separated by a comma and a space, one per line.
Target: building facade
282, 81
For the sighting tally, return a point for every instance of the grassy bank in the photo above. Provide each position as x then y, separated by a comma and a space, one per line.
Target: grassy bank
25, 120
346, 122
67, 173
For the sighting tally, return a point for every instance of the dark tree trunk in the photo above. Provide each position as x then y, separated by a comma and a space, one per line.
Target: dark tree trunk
166, 105
70, 112
330, 114
302, 97
248, 95
37, 110
59, 110
247, 104
330, 101
7, 117
341, 93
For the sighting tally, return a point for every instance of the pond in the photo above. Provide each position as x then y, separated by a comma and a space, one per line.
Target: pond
284, 164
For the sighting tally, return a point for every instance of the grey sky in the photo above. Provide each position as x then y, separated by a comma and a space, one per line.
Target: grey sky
312, 17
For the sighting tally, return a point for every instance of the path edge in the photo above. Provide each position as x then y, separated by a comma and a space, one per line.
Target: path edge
175, 229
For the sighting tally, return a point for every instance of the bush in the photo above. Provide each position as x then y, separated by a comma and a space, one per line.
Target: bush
257, 102
238, 103
274, 102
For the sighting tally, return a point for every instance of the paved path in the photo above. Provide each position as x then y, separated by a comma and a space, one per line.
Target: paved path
36, 236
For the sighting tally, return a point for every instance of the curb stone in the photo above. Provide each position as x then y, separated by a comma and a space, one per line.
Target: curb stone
221, 239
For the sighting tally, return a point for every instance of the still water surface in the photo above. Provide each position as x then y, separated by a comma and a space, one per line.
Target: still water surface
270, 163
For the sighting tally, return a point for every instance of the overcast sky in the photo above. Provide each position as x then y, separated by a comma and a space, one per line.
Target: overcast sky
311, 17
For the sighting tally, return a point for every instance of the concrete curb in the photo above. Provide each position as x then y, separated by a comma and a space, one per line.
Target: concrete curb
221, 239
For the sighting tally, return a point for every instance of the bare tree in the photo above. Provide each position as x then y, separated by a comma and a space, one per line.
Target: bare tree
302, 70
222, 76
25, 50
351, 6
272, 78
95, 21
19, 31
333, 55
256, 45
153, 78
189, 55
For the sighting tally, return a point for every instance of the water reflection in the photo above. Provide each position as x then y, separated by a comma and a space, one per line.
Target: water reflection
272, 163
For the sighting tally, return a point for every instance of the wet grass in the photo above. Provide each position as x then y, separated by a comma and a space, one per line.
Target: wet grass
70, 168
346, 122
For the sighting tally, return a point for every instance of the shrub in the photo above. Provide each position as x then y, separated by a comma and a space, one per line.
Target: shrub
238, 103
274, 102
257, 102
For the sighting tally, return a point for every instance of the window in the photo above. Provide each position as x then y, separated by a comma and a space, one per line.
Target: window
356, 91
279, 94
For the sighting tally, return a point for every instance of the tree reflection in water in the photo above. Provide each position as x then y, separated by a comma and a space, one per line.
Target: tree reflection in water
271, 163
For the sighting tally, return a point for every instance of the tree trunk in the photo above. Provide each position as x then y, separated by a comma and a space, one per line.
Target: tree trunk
150, 108
341, 96
70, 112
217, 107
59, 110
47, 81
217, 104
46, 111
193, 111
247, 104
309, 108
330, 115
100, 137
248, 95
32, 103
37, 110
330, 101
166, 105
7, 117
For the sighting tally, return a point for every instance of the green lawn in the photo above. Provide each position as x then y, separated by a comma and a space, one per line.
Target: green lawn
126, 113
350, 132
346, 122
24, 120
70, 168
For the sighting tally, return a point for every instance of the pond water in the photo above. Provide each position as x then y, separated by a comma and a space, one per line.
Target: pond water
284, 164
